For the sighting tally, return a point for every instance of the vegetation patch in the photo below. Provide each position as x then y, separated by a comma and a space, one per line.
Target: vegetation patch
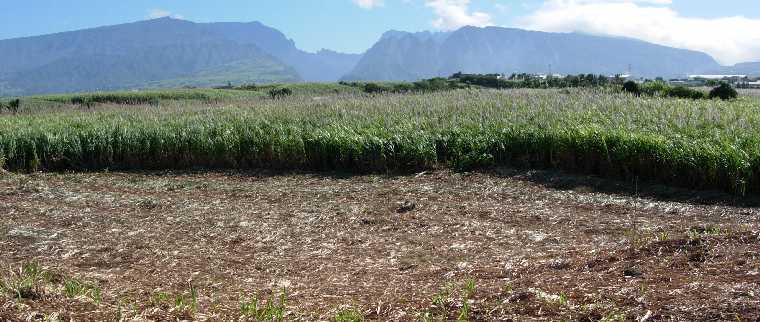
130, 98
693, 143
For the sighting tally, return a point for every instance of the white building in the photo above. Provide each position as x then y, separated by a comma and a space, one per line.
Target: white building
717, 77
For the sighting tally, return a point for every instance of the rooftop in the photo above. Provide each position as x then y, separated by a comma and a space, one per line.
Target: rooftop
716, 76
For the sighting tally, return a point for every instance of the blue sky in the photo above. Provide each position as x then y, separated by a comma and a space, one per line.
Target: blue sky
354, 25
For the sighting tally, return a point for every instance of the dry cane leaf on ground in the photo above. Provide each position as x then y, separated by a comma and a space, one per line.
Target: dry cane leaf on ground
483, 246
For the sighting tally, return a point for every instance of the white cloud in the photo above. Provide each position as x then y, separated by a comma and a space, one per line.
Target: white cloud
368, 4
452, 14
630, 1
161, 13
728, 39
501, 7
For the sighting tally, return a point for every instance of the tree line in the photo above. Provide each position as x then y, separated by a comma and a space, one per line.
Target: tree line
523, 80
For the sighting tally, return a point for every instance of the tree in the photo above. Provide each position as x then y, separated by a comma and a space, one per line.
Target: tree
632, 87
14, 105
373, 88
602, 80
724, 91
248, 87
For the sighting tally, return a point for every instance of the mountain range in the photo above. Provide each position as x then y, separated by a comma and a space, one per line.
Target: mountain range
163, 52
410, 56
751, 69
169, 52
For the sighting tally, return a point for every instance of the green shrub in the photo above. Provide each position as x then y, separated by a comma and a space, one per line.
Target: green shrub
655, 88
436, 84
403, 88
228, 86
277, 93
488, 80
373, 88
632, 88
247, 87
724, 91
685, 92
351, 84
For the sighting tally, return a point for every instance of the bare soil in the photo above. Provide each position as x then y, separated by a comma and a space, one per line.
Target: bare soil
537, 246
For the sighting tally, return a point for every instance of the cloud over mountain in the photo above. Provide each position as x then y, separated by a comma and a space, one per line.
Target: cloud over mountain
728, 39
368, 4
453, 14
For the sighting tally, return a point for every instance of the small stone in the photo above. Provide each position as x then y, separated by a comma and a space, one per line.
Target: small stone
23, 232
406, 206
631, 273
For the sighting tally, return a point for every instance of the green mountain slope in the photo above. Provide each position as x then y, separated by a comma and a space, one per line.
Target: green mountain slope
136, 55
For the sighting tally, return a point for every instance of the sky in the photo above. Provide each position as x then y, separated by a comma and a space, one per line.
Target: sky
728, 30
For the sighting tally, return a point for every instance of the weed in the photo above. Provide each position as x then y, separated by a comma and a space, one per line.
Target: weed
348, 315
159, 298
272, 310
698, 232
464, 312
442, 300
425, 316
148, 204
563, 299
638, 238
663, 236
614, 316
469, 288
181, 302
26, 283
75, 288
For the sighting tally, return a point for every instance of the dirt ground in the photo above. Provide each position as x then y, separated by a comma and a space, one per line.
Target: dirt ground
497, 246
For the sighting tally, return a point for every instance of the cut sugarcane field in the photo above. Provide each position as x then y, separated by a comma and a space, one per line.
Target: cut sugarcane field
521, 203
594, 161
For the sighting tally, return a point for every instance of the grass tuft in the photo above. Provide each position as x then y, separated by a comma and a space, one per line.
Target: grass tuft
273, 310
348, 315
75, 288
28, 282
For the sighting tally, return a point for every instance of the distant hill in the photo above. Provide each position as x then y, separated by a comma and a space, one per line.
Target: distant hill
162, 52
411, 56
749, 69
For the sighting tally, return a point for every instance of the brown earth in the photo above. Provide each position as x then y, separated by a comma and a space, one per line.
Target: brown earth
537, 246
